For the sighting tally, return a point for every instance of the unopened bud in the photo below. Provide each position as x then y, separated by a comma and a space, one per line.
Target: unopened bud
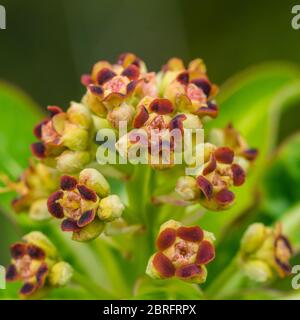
60, 274
253, 237
258, 271
78, 114
38, 210
72, 161
110, 208
75, 138
187, 188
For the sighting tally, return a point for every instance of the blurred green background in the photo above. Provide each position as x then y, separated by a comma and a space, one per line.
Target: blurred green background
48, 44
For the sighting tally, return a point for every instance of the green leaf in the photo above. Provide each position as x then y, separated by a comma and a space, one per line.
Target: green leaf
18, 116
253, 102
281, 181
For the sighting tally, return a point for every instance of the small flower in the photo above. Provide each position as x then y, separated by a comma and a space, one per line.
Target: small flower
157, 130
183, 252
218, 173
231, 138
78, 201
34, 262
265, 252
64, 133
109, 86
189, 89
34, 186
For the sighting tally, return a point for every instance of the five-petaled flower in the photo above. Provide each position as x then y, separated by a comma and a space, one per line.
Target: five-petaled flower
218, 173
65, 138
84, 204
158, 132
35, 261
265, 252
231, 138
183, 252
189, 89
114, 89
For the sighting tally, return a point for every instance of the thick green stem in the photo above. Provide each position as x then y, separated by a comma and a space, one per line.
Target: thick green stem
139, 190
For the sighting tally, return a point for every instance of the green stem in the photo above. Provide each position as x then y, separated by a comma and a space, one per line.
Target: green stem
139, 191
91, 287
226, 281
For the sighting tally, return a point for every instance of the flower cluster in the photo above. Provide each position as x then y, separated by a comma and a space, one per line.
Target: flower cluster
35, 261
159, 109
265, 252
84, 204
183, 252
150, 103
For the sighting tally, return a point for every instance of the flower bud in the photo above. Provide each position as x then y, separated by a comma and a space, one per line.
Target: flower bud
60, 274
72, 161
75, 138
95, 104
124, 112
38, 210
93, 179
265, 252
183, 252
110, 208
258, 271
253, 237
78, 114
192, 122
187, 188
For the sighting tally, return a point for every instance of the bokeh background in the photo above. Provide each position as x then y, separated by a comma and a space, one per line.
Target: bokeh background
48, 44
